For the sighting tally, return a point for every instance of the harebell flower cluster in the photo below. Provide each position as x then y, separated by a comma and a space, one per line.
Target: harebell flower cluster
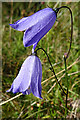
36, 26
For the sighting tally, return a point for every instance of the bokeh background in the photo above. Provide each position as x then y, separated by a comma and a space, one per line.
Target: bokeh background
56, 43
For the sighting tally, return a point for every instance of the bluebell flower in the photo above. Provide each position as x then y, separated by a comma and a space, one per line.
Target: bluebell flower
29, 78
35, 26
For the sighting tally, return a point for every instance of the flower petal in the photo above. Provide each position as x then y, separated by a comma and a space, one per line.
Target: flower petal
27, 92
21, 24
28, 22
34, 33
23, 79
36, 78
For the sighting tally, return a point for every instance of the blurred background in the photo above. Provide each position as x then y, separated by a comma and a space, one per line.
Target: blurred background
56, 43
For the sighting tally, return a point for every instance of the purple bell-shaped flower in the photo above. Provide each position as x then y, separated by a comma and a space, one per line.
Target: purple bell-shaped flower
29, 78
35, 26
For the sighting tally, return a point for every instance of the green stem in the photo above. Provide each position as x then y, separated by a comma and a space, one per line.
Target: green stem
56, 10
66, 77
52, 69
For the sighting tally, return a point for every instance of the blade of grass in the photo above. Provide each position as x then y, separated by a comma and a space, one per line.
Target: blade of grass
11, 99
35, 113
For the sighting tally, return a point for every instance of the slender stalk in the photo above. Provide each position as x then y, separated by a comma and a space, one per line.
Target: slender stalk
56, 10
52, 69
66, 77
67, 54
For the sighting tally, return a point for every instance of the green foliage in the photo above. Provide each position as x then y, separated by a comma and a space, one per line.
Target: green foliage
56, 43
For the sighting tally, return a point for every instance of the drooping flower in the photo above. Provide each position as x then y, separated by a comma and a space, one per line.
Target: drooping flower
36, 26
29, 78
